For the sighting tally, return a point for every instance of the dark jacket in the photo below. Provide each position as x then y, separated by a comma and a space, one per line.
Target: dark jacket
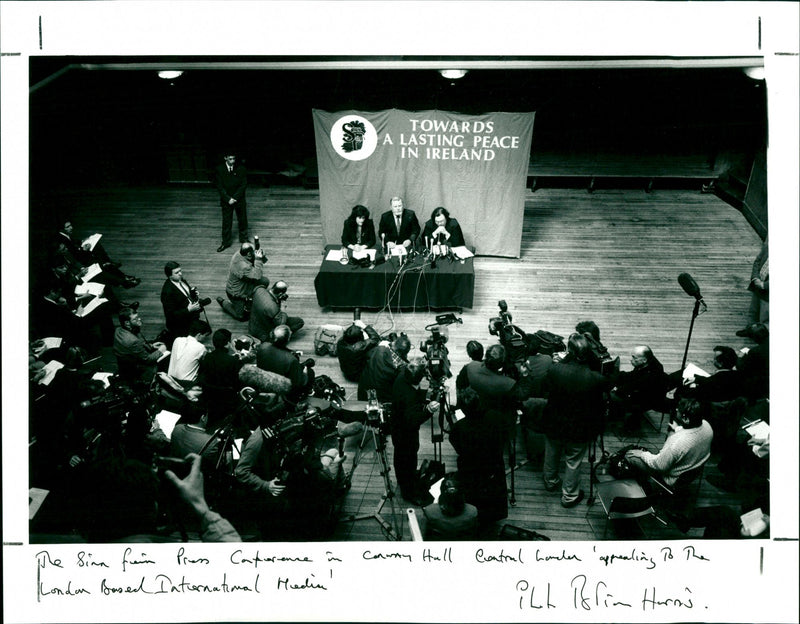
350, 231
499, 396
724, 385
220, 368
645, 386
175, 303
266, 313
281, 361
409, 227
381, 370
231, 184
353, 357
575, 405
452, 226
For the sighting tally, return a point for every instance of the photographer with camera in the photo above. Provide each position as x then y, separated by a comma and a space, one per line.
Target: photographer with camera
246, 271
267, 312
275, 357
513, 339
383, 365
409, 410
354, 347
181, 302
137, 357
572, 418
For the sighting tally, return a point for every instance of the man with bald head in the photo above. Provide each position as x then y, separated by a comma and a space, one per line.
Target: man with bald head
276, 357
267, 311
640, 389
246, 271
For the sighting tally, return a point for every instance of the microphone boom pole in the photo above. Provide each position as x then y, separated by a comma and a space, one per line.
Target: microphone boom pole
691, 288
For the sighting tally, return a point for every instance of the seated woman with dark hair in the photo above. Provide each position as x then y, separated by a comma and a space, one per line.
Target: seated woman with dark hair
358, 232
441, 229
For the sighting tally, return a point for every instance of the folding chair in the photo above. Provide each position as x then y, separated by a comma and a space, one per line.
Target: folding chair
624, 499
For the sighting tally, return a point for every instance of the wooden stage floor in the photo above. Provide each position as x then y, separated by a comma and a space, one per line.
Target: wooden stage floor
612, 256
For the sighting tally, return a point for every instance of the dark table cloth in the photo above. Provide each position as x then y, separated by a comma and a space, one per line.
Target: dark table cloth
448, 286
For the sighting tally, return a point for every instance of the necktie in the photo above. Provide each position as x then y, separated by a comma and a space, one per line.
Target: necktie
397, 220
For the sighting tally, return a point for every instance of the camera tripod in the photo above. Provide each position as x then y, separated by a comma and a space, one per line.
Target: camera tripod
593, 455
392, 530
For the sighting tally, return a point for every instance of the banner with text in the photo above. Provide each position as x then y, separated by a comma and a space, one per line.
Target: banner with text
473, 165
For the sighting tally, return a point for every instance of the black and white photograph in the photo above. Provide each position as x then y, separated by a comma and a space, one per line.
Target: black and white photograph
299, 299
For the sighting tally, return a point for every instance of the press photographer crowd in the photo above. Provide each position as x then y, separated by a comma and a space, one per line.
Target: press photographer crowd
218, 436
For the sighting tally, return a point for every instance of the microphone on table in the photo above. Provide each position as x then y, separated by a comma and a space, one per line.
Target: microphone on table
383, 243
691, 288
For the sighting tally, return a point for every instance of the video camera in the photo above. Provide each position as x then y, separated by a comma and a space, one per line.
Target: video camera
511, 337
600, 359
437, 365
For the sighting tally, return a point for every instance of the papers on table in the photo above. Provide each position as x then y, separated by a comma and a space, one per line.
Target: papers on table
46, 344
51, 368
462, 252
90, 288
90, 307
335, 255
398, 250
93, 271
166, 422
691, 371
92, 240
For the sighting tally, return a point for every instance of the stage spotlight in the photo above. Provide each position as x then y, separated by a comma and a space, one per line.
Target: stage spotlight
453, 74
170, 74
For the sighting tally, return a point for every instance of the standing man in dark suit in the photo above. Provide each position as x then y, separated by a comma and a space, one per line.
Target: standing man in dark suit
180, 307
231, 180
572, 418
398, 226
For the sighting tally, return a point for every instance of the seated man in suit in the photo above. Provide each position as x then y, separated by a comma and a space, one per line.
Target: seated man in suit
723, 385
83, 255
398, 226
136, 356
641, 389
441, 229
181, 307
275, 357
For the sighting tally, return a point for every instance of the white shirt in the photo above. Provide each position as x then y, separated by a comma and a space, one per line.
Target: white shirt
184, 363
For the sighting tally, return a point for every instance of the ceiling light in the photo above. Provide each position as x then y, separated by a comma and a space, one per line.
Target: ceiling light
170, 74
756, 73
453, 74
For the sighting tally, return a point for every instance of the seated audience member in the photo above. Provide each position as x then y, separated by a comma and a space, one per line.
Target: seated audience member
722, 521
354, 347
358, 232
450, 518
398, 226
219, 377
121, 502
688, 445
441, 229
276, 357
383, 365
246, 271
187, 353
137, 357
753, 366
191, 435
640, 389
409, 411
724, 385
499, 395
759, 287
82, 255
267, 312
481, 469
57, 313
71, 282
181, 307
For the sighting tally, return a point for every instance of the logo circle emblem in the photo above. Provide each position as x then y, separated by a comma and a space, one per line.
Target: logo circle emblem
354, 137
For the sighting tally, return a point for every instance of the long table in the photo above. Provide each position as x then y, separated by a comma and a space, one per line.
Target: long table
416, 285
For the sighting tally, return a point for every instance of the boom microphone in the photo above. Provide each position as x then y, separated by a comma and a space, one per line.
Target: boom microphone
689, 286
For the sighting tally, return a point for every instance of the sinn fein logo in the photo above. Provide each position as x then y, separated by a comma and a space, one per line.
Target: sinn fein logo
354, 137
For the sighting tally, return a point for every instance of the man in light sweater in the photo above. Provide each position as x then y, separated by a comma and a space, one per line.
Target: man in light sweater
688, 446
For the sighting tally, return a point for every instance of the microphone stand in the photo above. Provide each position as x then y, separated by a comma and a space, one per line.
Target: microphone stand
695, 312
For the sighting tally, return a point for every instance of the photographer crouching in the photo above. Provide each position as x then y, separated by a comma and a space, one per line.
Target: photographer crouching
276, 357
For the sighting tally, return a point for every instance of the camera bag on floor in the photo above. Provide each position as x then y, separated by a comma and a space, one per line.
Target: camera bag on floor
325, 339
